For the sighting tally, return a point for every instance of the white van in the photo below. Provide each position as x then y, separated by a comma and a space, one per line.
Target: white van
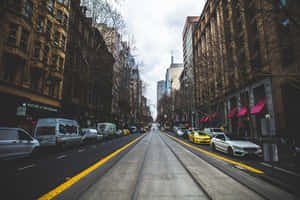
107, 129
57, 132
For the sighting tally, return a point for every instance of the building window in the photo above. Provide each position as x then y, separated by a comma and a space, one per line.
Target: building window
28, 9
51, 89
41, 23
35, 77
59, 16
46, 52
37, 49
12, 37
48, 28
24, 40
51, 6
54, 60
56, 38
61, 63
65, 20
63, 39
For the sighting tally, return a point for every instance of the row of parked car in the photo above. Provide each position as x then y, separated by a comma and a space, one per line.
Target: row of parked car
55, 132
219, 141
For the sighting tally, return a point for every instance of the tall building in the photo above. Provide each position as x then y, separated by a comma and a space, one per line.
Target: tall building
87, 87
113, 41
173, 73
246, 56
160, 89
187, 76
32, 57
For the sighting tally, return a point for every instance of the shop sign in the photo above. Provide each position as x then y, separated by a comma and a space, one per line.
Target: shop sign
31, 105
21, 111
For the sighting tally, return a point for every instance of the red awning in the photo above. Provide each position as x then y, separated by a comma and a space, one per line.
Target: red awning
242, 112
232, 112
206, 119
202, 119
213, 115
259, 106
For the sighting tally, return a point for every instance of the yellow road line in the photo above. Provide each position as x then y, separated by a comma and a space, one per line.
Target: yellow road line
82, 174
217, 156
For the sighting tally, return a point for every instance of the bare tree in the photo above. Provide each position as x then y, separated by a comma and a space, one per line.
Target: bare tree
105, 12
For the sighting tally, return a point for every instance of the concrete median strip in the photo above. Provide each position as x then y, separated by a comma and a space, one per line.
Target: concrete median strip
217, 156
82, 174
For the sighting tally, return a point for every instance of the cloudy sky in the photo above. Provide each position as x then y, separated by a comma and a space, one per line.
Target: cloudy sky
156, 26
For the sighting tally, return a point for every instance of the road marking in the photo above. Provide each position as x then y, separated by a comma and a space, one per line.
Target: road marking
217, 156
280, 169
56, 191
61, 157
26, 167
81, 150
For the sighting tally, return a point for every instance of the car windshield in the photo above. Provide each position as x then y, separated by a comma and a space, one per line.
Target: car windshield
45, 130
199, 134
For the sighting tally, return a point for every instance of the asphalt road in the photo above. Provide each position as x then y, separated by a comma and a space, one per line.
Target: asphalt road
30, 178
154, 166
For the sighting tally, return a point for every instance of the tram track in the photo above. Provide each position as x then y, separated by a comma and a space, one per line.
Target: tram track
252, 183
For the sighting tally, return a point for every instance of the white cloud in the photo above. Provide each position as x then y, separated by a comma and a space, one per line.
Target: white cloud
157, 27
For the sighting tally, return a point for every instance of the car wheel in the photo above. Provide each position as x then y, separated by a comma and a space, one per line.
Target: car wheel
213, 147
230, 151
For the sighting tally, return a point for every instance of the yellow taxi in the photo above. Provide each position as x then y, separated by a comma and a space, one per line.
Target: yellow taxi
199, 137
126, 131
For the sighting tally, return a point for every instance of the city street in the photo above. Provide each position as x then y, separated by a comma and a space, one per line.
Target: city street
155, 166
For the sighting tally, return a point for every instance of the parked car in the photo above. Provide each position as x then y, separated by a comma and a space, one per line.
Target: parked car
126, 131
119, 132
57, 132
199, 137
89, 135
232, 147
213, 131
179, 131
107, 129
16, 142
132, 129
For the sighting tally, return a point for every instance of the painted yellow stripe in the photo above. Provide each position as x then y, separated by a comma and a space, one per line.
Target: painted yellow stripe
217, 156
82, 174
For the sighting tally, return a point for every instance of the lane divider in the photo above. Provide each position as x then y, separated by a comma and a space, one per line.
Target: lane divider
76, 178
217, 156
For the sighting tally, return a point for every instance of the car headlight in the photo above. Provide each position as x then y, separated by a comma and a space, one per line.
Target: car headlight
238, 148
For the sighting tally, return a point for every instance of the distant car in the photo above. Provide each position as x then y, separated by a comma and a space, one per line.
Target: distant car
199, 137
179, 131
119, 132
89, 135
16, 142
297, 156
126, 132
133, 129
232, 147
142, 130
108, 130
213, 131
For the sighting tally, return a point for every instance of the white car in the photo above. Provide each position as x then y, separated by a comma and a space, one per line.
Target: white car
213, 131
179, 131
240, 148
